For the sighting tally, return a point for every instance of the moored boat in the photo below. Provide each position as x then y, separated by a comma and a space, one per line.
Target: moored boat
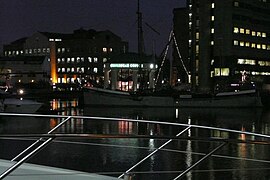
243, 98
105, 97
14, 105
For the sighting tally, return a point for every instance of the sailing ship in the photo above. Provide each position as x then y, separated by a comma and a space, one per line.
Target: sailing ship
138, 95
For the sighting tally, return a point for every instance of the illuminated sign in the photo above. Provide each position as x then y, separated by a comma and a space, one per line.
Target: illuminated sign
124, 65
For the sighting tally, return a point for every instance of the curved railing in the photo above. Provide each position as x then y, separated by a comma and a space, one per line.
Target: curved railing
45, 139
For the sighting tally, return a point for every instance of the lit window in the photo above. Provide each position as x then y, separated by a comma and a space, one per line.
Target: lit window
73, 59
242, 43
197, 49
263, 46
212, 43
240, 61
104, 49
95, 70
235, 42
189, 42
63, 70
82, 69
48, 50
190, 16
242, 30
82, 59
236, 30
258, 46
95, 59
30, 51
247, 44
72, 69
78, 59
104, 60
253, 45
253, 33
59, 69
259, 34
268, 47
68, 60
197, 35
58, 50
89, 59
212, 30
222, 72
247, 31
44, 50
58, 60
68, 69
213, 5
212, 18
236, 4
261, 63
63, 50
111, 49
263, 34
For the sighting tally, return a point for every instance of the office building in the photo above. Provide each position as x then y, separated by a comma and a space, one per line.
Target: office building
73, 57
228, 41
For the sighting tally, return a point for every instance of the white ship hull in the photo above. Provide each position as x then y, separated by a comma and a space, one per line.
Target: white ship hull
247, 98
103, 97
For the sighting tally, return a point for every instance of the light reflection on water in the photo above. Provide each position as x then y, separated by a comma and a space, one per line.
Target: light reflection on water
109, 159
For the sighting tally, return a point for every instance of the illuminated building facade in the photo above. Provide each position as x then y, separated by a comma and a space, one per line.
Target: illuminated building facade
75, 57
227, 40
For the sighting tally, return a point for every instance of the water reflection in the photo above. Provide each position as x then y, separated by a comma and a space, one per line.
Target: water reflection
113, 157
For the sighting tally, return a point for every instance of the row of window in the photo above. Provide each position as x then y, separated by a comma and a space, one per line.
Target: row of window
253, 62
75, 70
255, 73
44, 51
80, 59
251, 45
237, 30
27, 51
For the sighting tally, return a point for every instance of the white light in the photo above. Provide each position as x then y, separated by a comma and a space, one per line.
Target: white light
21, 91
151, 66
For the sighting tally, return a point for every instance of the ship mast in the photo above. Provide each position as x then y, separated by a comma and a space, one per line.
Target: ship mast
140, 31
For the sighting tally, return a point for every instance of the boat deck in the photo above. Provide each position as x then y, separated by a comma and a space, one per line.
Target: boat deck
31, 171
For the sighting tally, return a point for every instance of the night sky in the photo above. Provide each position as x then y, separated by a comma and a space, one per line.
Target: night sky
21, 18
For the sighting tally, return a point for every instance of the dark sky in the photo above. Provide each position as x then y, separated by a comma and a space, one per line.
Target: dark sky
21, 18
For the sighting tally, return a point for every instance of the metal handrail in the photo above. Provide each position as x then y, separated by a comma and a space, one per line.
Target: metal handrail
51, 136
140, 121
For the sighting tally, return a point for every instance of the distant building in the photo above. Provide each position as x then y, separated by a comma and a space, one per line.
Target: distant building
228, 40
24, 69
73, 57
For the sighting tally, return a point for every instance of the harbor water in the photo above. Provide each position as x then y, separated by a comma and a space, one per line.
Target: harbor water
113, 156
